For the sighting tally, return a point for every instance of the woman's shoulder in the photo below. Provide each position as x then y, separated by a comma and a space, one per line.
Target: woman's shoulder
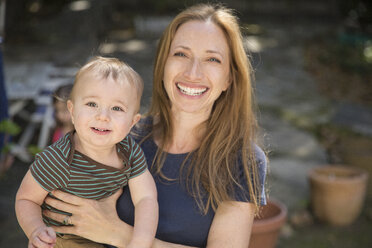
260, 163
260, 155
257, 153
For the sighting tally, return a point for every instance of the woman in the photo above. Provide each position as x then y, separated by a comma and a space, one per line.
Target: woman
198, 139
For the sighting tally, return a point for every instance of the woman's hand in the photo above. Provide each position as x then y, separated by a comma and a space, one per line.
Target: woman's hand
91, 219
94, 220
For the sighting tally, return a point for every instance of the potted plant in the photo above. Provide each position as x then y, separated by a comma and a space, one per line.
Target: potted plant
337, 193
266, 226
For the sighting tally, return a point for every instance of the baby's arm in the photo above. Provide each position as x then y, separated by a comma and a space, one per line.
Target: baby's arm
144, 197
29, 198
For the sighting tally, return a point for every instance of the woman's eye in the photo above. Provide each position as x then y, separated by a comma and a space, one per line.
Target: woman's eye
215, 60
91, 104
117, 108
180, 54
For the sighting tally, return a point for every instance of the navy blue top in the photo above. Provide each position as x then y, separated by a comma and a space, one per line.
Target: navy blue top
180, 220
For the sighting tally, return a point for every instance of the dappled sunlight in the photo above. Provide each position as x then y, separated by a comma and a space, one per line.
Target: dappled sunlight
368, 52
79, 5
34, 7
254, 29
253, 44
131, 46
122, 34
254, 38
305, 149
256, 44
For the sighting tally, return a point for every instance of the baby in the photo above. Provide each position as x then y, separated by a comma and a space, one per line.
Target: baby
95, 160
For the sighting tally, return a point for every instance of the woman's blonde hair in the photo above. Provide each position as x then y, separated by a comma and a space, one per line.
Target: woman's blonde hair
105, 67
231, 126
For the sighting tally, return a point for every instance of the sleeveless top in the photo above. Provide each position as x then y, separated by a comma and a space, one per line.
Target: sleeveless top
180, 220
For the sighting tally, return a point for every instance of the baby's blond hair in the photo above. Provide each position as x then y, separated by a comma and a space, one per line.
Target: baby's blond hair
113, 68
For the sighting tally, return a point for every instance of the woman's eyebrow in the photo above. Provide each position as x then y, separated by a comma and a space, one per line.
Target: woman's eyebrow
208, 51
214, 51
184, 47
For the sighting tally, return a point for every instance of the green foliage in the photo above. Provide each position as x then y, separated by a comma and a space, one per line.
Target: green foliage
9, 127
33, 149
342, 64
6, 148
349, 52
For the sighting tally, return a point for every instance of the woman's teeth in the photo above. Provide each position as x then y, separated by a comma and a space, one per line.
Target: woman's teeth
191, 91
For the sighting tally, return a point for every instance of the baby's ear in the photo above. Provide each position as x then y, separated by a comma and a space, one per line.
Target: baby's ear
136, 118
70, 107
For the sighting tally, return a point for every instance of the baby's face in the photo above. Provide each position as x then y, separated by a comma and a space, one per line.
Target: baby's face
103, 111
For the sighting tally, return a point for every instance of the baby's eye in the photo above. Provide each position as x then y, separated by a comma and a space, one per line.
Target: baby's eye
116, 108
91, 104
215, 60
180, 54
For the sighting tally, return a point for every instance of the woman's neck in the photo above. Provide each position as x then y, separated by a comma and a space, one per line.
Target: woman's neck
188, 129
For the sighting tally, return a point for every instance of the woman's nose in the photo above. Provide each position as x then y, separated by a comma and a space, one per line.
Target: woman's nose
194, 70
103, 115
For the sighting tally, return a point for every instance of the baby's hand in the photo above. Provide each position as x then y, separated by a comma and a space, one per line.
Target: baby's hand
42, 237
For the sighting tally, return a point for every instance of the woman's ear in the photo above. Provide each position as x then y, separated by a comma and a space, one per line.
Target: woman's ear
228, 83
70, 107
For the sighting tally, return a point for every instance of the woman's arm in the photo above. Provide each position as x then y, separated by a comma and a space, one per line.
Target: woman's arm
95, 220
98, 221
232, 224
231, 227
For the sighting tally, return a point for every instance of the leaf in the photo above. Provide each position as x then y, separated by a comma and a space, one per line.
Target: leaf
33, 149
9, 127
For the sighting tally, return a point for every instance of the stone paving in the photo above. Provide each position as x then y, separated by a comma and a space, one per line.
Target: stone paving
289, 106
289, 103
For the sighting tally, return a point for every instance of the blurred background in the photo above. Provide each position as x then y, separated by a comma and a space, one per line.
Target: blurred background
312, 62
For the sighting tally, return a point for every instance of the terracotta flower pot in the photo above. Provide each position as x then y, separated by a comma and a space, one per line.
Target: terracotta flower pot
266, 227
337, 193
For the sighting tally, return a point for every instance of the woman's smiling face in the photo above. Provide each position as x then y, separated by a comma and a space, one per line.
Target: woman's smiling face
197, 69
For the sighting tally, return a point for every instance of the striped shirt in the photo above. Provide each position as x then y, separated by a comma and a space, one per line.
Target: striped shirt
62, 167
